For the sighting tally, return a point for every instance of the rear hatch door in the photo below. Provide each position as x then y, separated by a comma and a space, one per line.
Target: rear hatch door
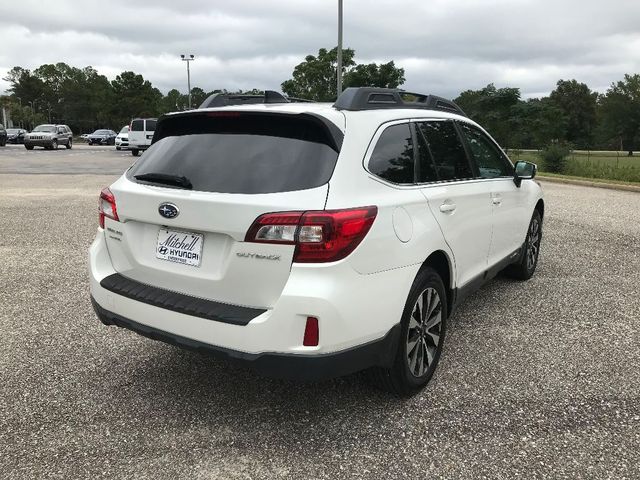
188, 235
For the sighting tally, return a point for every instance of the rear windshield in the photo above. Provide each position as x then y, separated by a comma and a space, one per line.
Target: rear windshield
242, 153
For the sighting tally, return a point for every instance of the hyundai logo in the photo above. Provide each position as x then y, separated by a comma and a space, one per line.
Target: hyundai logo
168, 210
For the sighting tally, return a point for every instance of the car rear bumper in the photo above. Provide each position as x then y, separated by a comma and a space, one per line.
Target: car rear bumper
354, 312
298, 367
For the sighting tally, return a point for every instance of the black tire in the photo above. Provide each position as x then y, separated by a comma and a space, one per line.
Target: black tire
3, 143
54, 144
402, 378
29, 147
135, 152
117, 148
69, 144
525, 268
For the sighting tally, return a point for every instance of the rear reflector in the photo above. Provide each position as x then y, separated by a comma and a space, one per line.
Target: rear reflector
107, 207
311, 333
319, 236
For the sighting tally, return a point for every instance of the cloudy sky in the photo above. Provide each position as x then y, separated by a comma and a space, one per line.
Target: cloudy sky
445, 46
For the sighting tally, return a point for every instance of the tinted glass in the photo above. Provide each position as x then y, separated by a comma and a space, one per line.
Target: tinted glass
137, 125
242, 154
124, 130
447, 151
427, 169
151, 125
392, 158
490, 160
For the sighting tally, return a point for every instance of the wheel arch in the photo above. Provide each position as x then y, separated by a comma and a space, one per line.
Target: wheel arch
442, 264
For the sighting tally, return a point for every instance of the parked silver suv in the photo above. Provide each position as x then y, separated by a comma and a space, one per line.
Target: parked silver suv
49, 136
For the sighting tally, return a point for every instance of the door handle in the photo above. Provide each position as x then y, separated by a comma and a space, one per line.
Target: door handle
447, 207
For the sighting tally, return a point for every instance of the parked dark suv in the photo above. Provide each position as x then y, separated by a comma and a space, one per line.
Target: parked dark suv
49, 136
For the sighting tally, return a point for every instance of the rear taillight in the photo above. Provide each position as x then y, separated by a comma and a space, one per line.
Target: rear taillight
319, 236
107, 207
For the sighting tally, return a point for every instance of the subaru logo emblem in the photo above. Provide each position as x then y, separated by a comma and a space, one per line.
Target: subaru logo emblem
168, 210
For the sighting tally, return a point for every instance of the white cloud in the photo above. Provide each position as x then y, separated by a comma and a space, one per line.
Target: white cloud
445, 46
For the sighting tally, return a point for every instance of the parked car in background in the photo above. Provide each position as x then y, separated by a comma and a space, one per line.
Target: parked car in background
16, 135
49, 136
141, 133
84, 136
102, 137
122, 140
3, 136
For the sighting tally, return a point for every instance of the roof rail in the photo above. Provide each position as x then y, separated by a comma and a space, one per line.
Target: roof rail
372, 98
224, 99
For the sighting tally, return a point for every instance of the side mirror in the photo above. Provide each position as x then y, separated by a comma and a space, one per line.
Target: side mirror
524, 171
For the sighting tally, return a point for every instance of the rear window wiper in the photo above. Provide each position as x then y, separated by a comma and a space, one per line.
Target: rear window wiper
166, 179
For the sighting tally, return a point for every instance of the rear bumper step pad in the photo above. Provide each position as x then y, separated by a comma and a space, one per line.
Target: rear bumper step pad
179, 302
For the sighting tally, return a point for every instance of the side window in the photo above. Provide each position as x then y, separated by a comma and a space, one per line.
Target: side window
392, 158
447, 151
490, 160
151, 125
427, 168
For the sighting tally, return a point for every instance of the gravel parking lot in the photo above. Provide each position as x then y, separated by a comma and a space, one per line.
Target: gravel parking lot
538, 379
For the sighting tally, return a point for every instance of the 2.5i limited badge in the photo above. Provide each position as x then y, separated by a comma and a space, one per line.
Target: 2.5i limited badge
180, 247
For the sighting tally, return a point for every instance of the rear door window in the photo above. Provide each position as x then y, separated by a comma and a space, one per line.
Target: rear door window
393, 157
151, 125
446, 150
491, 161
137, 125
245, 153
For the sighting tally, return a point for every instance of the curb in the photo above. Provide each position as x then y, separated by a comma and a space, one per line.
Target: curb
588, 183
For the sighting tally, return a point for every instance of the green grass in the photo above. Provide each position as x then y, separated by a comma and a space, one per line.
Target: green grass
592, 180
615, 166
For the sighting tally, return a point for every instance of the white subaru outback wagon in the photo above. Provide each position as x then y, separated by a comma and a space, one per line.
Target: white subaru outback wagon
313, 240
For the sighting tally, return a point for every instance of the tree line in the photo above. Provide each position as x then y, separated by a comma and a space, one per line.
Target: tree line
571, 115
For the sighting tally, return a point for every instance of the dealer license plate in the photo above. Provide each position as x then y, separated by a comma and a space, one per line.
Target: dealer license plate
180, 247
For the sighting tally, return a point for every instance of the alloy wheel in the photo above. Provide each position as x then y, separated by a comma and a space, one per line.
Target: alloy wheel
533, 243
423, 334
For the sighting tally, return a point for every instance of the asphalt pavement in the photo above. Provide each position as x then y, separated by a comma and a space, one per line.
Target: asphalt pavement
81, 159
539, 379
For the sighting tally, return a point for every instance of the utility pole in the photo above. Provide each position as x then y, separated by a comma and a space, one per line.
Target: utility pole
339, 87
188, 59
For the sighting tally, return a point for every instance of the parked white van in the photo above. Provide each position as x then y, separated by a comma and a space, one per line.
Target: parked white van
141, 132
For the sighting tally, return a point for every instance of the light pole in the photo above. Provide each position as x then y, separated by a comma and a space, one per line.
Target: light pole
339, 87
189, 59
